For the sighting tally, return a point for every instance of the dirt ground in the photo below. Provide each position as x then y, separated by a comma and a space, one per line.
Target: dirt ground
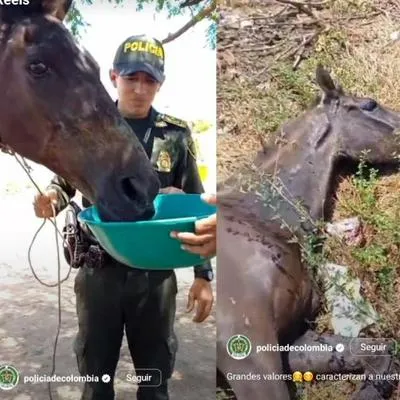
28, 321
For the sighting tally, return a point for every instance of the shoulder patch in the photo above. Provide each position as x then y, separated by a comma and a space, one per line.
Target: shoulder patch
160, 124
164, 118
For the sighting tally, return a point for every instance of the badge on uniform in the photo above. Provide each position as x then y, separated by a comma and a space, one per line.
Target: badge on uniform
164, 161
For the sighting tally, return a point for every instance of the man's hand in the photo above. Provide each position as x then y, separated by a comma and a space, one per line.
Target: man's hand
200, 292
204, 241
43, 203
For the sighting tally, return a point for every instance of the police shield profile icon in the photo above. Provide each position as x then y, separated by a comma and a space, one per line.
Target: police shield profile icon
239, 347
9, 377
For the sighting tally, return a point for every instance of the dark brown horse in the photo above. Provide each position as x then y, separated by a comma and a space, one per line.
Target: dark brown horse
265, 290
55, 111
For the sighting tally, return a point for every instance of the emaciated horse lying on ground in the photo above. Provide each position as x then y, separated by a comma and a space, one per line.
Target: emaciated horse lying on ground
265, 290
55, 111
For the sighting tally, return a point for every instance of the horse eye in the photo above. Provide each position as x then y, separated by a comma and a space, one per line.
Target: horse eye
368, 105
38, 68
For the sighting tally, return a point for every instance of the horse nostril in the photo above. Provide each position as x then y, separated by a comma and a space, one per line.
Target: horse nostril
138, 199
129, 189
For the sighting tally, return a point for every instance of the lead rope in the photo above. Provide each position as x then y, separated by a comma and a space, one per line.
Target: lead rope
27, 169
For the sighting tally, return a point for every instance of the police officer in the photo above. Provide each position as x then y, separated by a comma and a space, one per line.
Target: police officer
110, 296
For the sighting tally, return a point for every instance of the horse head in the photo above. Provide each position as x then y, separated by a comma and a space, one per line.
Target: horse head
56, 112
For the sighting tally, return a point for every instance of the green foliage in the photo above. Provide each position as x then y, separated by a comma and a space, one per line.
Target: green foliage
386, 278
201, 126
367, 207
76, 22
78, 25
296, 85
365, 182
211, 35
171, 6
374, 255
350, 7
380, 257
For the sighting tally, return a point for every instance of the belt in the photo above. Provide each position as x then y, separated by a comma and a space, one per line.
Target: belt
96, 257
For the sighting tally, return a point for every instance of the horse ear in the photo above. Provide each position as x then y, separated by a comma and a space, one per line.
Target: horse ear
56, 8
324, 80
18, 41
326, 83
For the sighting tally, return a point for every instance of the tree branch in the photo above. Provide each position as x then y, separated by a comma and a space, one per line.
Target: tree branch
189, 3
306, 8
205, 12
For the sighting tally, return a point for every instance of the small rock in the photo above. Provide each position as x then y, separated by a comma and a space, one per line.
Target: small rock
232, 73
246, 23
350, 312
348, 229
394, 36
229, 57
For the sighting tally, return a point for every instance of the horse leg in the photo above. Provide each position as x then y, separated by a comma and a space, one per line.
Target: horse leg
260, 278
247, 312
348, 361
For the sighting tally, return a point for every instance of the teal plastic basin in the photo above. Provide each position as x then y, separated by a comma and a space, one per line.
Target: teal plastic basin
147, 244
